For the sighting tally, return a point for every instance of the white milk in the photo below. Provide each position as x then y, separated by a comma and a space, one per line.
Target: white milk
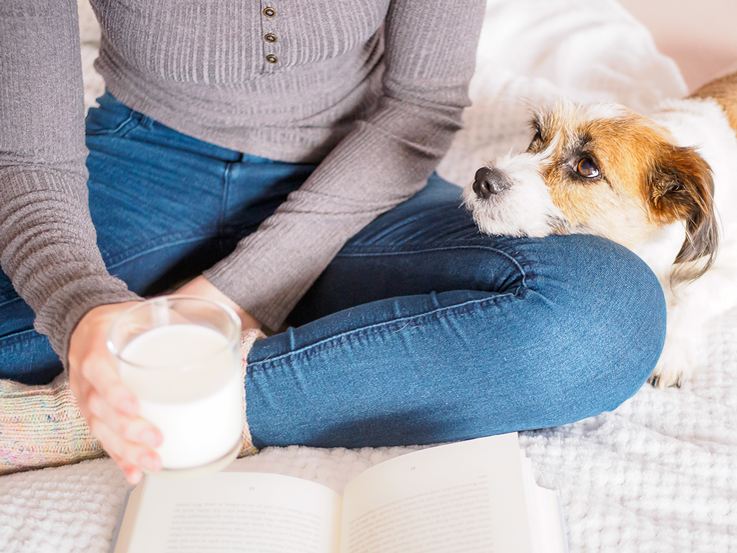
194, 395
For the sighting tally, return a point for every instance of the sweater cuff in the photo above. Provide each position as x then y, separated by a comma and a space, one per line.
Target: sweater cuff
65, 308
267, 296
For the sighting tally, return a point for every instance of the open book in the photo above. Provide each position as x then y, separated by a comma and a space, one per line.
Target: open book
473, 496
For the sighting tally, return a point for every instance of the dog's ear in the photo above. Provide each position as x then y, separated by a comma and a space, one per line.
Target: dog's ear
682, 189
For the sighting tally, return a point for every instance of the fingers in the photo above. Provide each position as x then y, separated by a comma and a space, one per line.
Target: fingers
110, 408
132, 429
133, 473
129, 455
100, 373
127, 439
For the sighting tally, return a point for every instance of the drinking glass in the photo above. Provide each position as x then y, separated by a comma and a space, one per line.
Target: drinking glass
180, 356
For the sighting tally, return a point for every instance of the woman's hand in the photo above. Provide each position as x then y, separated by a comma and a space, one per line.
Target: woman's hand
111, 409
202, 287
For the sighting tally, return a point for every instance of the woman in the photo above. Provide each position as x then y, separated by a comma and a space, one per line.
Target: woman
281, 154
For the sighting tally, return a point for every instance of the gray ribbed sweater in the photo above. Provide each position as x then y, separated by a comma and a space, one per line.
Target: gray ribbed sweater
373, 88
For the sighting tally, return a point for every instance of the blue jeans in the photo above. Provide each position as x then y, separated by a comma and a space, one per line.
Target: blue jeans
421, 330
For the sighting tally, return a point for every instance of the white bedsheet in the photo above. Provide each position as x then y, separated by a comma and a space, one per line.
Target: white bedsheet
657, 475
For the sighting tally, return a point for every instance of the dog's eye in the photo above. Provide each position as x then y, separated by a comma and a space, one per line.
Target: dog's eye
587, 168
535, 140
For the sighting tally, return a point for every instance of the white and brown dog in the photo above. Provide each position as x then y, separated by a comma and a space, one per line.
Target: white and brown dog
664, 186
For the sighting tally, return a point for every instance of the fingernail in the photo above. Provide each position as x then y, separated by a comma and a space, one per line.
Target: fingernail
128, 406
150, 438
133, 476
150, 462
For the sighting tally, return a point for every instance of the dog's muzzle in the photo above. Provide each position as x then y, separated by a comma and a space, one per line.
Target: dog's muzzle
489, 182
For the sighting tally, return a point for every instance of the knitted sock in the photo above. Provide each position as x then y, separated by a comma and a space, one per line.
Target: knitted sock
42, 426
250, 335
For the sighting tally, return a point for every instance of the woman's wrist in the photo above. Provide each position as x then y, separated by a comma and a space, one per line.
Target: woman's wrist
203, 288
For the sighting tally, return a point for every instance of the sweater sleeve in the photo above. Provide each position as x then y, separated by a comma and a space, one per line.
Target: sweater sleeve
430, 50
47, 241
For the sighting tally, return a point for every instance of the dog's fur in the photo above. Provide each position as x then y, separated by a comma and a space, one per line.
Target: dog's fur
663, 186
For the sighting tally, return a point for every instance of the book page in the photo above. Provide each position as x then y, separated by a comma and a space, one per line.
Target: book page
465, 497
237, 511
547, 532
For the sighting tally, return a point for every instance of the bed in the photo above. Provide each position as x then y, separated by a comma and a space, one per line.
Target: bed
659, 474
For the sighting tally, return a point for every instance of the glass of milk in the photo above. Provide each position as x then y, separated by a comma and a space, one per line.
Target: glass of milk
180, 356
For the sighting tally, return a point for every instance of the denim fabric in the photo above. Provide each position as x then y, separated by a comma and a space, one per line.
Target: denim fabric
421, 330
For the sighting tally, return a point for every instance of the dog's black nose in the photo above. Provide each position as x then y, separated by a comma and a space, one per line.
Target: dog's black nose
489, 181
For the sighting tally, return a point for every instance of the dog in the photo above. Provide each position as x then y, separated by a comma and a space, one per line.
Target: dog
664, 186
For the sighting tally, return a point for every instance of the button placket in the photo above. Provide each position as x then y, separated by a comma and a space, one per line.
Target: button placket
271, 42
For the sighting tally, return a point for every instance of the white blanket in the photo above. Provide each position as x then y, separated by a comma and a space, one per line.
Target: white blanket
659, 474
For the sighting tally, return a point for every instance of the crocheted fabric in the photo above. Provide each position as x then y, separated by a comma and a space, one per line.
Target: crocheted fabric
250, 335
42, 426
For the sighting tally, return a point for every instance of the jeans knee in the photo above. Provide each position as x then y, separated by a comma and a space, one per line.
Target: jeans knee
613, 323
636, 310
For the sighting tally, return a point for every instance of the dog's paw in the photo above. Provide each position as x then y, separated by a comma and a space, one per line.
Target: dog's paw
674, 367
666, 379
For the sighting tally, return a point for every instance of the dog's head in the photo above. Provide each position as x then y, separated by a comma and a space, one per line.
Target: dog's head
600, 169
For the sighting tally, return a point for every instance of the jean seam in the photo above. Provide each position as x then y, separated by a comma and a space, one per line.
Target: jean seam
224, 199
8, 302
20, 337
523, 269
157, 248
146, 122
401, 322
117, 131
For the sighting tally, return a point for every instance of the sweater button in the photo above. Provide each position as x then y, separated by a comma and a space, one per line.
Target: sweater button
269, 12
270, 37
271, 58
